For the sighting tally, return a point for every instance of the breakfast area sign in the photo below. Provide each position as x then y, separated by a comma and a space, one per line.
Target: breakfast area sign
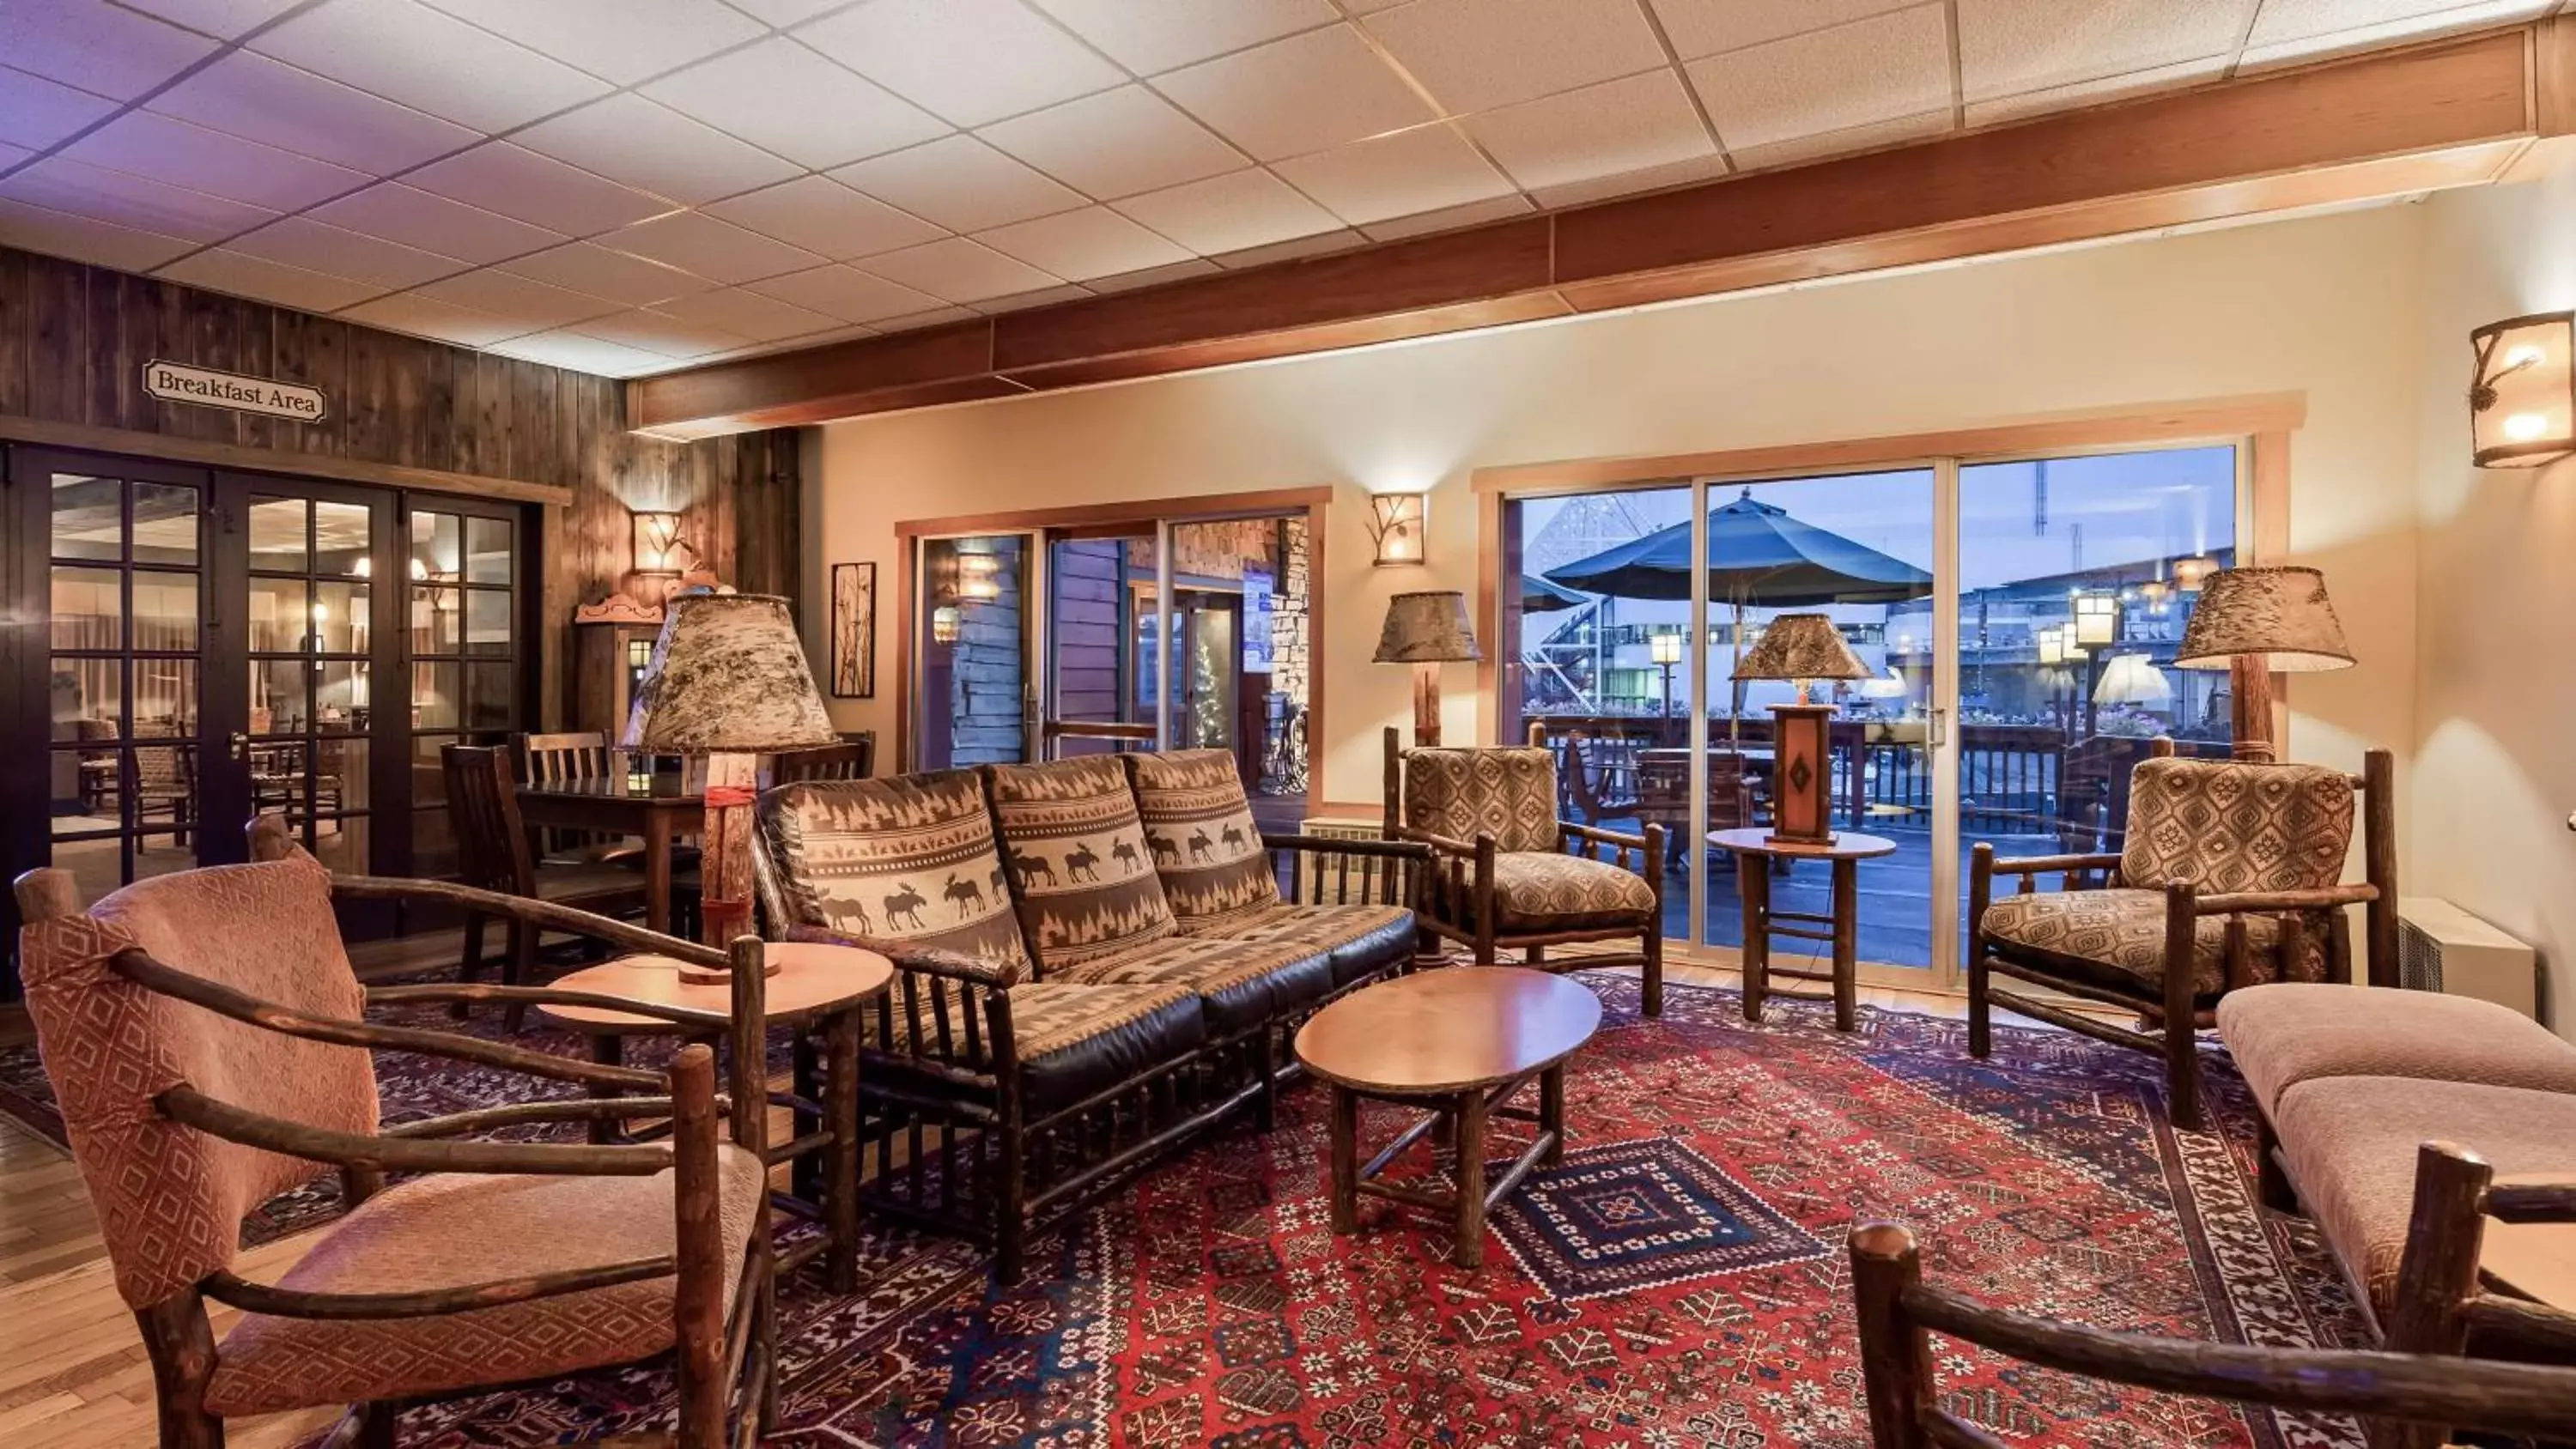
178, 382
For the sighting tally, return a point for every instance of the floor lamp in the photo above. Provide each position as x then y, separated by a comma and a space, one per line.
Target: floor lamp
2255, 621
1427, 630
728, 680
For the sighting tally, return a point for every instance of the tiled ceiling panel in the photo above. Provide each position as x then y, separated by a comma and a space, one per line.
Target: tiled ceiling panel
633, 184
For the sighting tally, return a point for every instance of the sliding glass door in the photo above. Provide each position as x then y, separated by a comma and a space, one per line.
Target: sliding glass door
977, 688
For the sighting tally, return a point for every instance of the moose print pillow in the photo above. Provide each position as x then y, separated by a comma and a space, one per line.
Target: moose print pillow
1070, 839
1201, 834
908, 860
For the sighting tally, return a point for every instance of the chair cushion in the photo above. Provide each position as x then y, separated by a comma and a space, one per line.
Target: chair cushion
2292, 1032
1547, 890
909, 860
454, 1230
1360, 940
2226, 825
2116, 938
1075, 1039
1086, 886
1509, 793
2350, 1143
1240, 984
1205, 846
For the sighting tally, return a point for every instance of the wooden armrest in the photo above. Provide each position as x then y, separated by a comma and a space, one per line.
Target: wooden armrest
924, 960
2042, 864
1442, 844
190, 1107
1335, 845
520, 1114
2527, 1201
1599, 836
224, 1287
438, 991
2240, 902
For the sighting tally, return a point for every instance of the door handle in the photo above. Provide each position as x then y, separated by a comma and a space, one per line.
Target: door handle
241, 746
1940, 728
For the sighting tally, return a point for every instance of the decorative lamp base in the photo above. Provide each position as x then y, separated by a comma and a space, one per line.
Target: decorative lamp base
1426, 706
1802, 775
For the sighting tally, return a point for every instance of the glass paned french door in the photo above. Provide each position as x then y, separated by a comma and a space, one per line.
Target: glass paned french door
978, 647
459, 569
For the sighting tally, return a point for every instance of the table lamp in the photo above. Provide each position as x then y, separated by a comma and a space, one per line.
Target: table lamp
1802, 647
1427, 630
728, 680
2255, 621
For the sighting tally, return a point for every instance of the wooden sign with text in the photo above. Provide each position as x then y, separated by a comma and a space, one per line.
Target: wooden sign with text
178, 382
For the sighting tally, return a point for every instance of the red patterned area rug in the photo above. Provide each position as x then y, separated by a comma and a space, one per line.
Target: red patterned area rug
1678, 1281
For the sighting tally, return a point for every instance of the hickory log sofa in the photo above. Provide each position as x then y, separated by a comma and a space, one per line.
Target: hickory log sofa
1096, 963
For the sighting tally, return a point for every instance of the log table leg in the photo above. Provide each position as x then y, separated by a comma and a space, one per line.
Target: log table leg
841, 1159
1346, 1159
1471, 1179
1846, 942
1753, 886
1551, 1113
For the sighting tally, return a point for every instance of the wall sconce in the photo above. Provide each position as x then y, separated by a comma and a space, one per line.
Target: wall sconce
2097, 620
1397, 520
979, 577
947, 622
660, 552
2522, 397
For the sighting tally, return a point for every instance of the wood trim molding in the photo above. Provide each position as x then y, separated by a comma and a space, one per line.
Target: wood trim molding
1187, 508
2227, 417
2452, 112
206, 454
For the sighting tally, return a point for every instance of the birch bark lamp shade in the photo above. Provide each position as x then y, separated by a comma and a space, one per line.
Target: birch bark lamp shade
2255, 621
728, 680
1801, 647
1427, 630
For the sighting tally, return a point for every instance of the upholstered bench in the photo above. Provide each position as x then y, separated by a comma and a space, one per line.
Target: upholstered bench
2290, 1032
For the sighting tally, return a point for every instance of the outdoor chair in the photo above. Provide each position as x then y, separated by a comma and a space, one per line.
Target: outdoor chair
2231, 873
207, 1040
1507, 874
1600, 777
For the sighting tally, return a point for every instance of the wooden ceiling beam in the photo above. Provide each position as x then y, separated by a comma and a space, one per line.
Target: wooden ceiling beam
2448, 113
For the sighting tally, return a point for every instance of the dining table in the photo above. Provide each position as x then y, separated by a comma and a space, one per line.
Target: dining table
660, 811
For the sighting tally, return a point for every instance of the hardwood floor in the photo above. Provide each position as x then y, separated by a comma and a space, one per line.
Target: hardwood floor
72, 1371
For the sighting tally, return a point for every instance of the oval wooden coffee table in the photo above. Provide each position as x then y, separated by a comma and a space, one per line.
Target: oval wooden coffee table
1460, 1040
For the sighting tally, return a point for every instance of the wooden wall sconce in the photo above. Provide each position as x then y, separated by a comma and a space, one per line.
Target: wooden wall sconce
1397, 521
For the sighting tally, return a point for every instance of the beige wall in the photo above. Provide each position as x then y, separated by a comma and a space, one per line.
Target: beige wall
2496, 770
2325, 305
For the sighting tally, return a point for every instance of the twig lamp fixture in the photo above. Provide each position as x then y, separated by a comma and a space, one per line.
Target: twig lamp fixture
2522, 396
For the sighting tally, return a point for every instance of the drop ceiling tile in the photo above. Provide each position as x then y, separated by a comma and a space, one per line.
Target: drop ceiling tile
584, 353
1340, 240
517, 299
1603, 130
762, 319
113, 52
1828, 80
1630, 183
145, 144
2007, 47
716, 250
658, 332
1154, 276
961, 184
61, 234
629, 139
589, 267
1023, 301
425, 317
1475, 55
223, 19
846, 293
625, 41
409, 53
1449, 218
134, 202
270, 101
2287, 30
300, 241
787, 98
36, 112
399, 213
1704, 27
516, 182
1802, 149
826, 218
971, 62
784, 13
242, 275
1425, 169
935, 317
1271, 100
1230, 213
1147, 36
2095, 92
1080, 245
1116, 143
958, 270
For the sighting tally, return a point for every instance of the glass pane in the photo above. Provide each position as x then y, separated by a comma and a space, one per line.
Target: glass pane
436, 617
97, 865
279, 703
340, 696
165, 698
277, 779
277, 527
89, 517
436, 552
428, 773
1098, 586
487, 622
89, 608
487, 551
166, 610
88, 698
974, 652
165, 524
342, 535
342, 844
340, 615
436, 698
339, 775
433, 844
491, 697
84, 788
163, 854
278, 615
165, 785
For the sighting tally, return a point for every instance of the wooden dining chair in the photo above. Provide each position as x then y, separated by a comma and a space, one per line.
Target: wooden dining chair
848, 760
494, 853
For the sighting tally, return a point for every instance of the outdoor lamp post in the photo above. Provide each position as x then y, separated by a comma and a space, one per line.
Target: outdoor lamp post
1802, 647
1666, 650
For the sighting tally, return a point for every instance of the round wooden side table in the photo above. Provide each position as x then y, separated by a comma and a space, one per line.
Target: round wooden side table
1754, 850
1460, 1040
815, 990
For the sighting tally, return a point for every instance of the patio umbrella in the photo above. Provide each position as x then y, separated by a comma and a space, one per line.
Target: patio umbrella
1538, 596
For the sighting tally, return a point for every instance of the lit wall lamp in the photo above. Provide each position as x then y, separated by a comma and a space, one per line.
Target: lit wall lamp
979, 577
660, 552
2522, 398
1397, 523
2052, 642
2097, 620
947, 623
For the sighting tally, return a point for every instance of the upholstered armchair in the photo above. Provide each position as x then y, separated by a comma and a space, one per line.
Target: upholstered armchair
2231, 874
206, 1038
1508, 874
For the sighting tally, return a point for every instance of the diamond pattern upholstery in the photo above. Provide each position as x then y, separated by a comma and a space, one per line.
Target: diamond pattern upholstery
2118, 937
2228, 826
1550, 891
1461, 793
